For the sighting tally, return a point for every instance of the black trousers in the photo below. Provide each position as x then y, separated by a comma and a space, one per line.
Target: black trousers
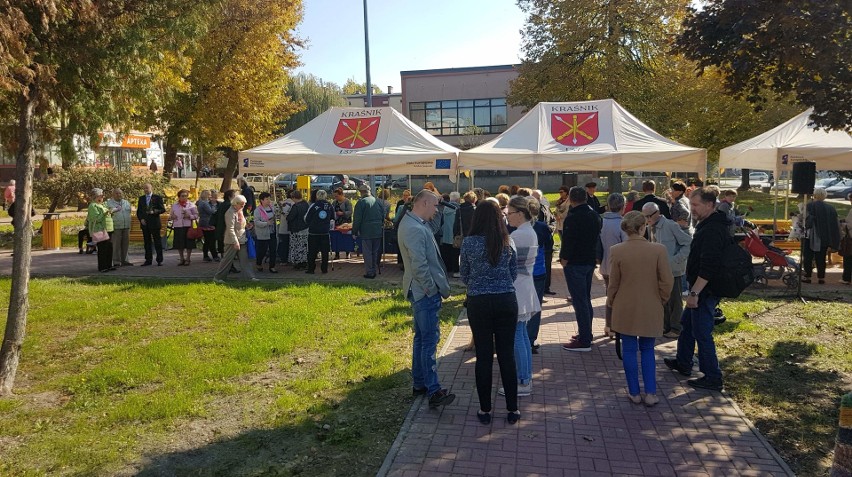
153, 241
267, 248
493, 319
809, 256
548, 265
83, 236
847, 268
318, 244
104, 255
450, 255
210, 244
283, 248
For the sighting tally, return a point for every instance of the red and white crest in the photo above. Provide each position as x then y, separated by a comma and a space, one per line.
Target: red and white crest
355, 133
574, 129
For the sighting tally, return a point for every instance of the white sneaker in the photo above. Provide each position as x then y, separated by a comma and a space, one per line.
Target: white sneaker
456, 275
216, 280
523, 390
844, 282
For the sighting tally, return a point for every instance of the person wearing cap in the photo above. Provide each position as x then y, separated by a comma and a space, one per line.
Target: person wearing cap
368, 221
593, 201
98, 219
680, 205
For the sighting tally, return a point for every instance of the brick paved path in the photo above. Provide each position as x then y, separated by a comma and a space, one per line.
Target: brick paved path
578, 420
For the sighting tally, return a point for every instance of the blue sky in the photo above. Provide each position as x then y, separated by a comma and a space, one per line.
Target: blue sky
407, 35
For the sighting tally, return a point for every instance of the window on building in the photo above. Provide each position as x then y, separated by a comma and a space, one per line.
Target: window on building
453, 118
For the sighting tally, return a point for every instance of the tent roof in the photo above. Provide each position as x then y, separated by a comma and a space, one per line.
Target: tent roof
354, 141
797, 139
584, 135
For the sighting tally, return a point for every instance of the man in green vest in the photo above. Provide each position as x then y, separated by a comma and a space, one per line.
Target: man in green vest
368, 221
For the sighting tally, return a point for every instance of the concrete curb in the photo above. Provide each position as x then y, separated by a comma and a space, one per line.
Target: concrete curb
415, 406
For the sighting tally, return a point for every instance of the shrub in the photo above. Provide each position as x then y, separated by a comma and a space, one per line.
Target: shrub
72, 186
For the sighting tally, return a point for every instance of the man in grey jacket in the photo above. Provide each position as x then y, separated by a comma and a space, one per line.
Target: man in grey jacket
425, 284
677, 242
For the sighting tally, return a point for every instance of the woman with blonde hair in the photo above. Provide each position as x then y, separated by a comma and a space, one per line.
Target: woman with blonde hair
182, 214
235, 240
640, 283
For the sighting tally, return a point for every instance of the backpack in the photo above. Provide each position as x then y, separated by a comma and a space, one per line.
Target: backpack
736, 274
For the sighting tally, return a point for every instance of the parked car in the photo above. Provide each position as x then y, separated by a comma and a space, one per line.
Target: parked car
397, 184
287, 181
755, 177
324, 182
827, 182
840, 190
257, 182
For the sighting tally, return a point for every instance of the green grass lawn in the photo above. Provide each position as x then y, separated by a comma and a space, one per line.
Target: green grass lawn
787, 364
163, 377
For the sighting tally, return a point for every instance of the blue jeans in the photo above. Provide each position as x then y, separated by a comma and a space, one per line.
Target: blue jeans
523, 353
424, 367
579, 279
630, 346
535, 322
698, 328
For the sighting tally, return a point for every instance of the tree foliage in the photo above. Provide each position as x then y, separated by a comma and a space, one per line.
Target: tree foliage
88, 60
353, 87
314, 96
786, 47
591, 49
235, 89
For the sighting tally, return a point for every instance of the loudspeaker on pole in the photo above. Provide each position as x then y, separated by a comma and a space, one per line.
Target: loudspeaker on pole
804, 177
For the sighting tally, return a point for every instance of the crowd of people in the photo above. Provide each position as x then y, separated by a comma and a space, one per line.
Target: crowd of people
659, 257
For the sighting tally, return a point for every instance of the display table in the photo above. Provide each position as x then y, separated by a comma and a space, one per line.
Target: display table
344, 242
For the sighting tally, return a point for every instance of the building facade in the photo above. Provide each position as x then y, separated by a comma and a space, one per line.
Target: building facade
464, 107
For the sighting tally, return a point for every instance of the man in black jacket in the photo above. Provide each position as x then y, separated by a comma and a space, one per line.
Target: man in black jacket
593, 200
702, 270
319, 218
648, 188
148, 211
581, 232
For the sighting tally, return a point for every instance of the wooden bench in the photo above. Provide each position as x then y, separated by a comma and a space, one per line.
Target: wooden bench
136, 230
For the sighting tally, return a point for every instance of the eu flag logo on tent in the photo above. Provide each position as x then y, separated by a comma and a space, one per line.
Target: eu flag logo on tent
356, 133
574, 129
442, 164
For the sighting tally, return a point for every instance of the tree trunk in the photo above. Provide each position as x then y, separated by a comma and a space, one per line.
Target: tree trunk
744, 185
16, 320
170, 157
233, 158
615, 182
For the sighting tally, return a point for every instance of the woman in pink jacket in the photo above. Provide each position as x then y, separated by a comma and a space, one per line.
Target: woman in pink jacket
182, 214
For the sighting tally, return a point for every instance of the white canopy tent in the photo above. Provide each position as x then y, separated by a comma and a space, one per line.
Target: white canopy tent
354, 141
794, 141
585, 135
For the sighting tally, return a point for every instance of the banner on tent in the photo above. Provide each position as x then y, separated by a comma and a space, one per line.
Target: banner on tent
786, 161
576, 126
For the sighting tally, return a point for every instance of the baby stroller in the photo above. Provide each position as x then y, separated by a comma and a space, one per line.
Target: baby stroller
776, 263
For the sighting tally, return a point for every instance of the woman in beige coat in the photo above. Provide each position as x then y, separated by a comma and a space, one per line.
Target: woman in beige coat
640, 283
235, 241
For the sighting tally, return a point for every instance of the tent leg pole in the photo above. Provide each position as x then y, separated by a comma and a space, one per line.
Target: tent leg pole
775, 214
535, 180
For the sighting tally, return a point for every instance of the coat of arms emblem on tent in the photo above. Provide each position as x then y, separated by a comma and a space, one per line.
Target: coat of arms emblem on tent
574, 129
355, 133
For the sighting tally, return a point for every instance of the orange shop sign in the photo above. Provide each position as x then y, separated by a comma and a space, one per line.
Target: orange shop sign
128, 141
